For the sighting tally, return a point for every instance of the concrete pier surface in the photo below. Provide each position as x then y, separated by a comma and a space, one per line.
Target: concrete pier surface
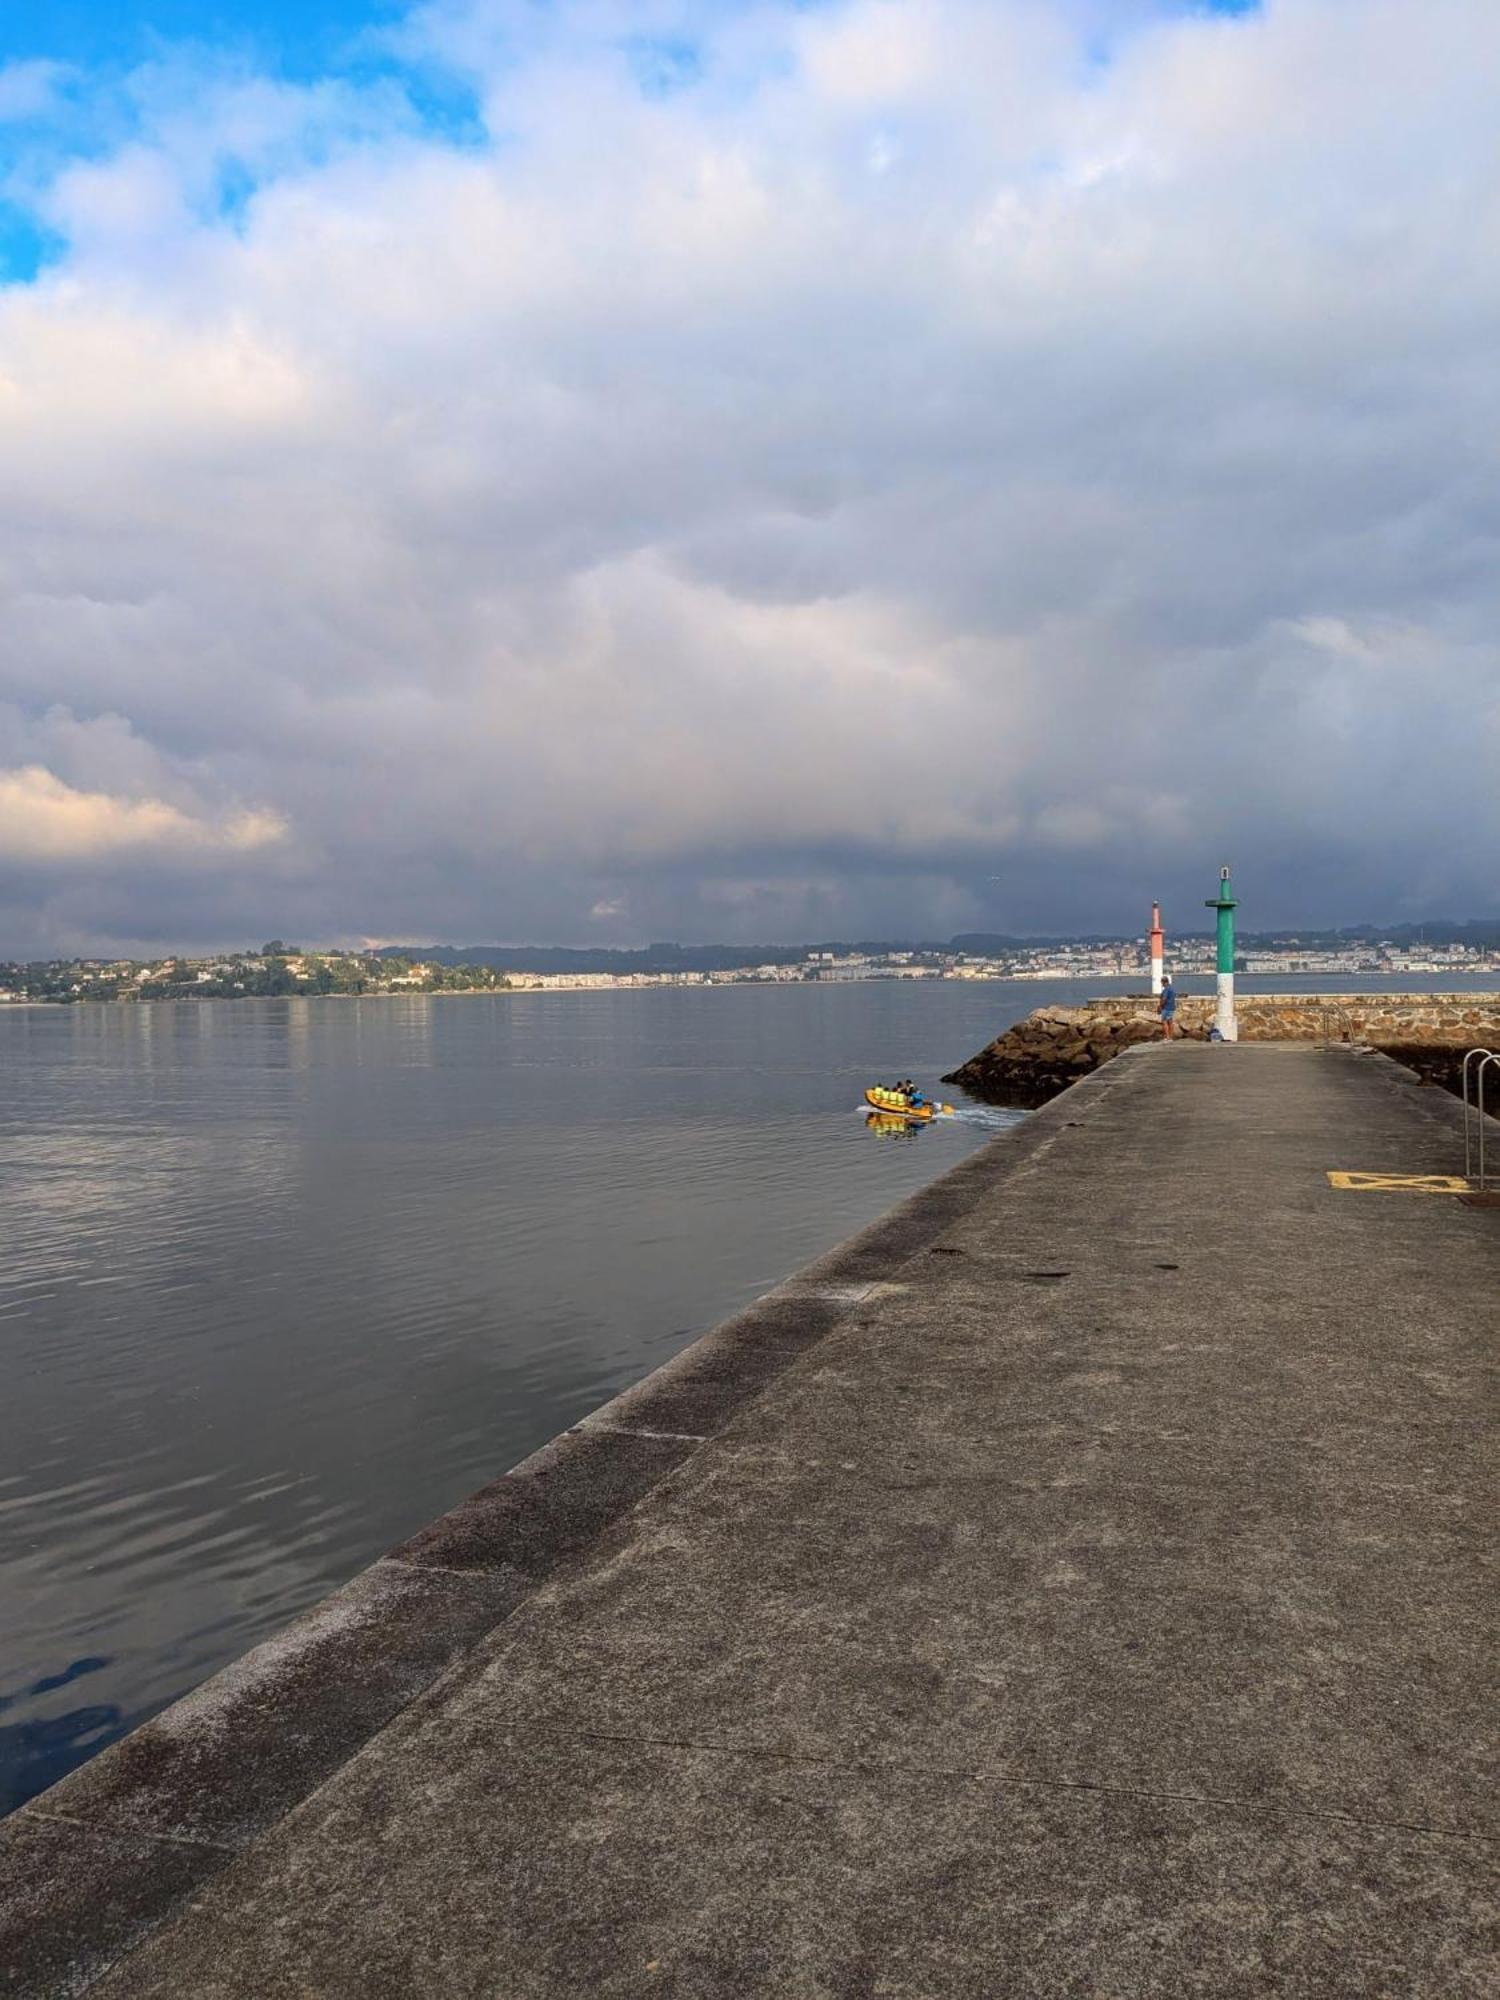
1082, 1584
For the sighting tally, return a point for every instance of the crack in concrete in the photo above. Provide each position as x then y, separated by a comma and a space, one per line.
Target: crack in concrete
475, 1576
115, 1830
632, 1431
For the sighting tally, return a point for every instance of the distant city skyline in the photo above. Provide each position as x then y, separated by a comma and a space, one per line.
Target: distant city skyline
472, 469
279, 970
1439, 935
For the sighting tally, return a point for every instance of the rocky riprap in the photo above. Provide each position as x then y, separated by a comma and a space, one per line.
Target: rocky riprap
1054, 1046
1031, 1062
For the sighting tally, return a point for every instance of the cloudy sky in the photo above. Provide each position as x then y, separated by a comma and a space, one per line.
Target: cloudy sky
612, 469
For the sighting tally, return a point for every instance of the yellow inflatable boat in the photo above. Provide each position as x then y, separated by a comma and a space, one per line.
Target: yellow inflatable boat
896, 1104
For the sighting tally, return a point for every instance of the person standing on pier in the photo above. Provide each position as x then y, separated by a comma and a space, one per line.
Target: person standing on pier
1167, 1007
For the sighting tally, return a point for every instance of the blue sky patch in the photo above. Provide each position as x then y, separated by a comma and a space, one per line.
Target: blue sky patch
296, 38
26, 247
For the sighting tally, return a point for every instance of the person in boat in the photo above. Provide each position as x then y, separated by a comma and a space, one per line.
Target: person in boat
915, 1096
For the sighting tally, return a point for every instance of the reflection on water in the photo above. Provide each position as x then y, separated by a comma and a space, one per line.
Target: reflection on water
282, 1280
54, 1737
891, 1125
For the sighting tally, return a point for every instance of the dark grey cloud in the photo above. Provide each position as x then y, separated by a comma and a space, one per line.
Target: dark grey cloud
916, 475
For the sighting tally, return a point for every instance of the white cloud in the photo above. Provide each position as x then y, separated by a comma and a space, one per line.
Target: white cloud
656, 496
44, 820
30, 89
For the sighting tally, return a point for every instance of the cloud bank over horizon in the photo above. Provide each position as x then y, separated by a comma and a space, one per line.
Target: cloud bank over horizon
600, 472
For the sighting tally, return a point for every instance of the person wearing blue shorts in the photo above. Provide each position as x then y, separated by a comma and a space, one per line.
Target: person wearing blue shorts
1167, 1008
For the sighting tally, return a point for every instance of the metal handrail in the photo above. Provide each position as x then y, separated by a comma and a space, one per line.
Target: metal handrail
1335, 1015
1483, 1183
1486, 1057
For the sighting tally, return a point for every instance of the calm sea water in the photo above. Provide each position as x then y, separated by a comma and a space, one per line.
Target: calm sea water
282, 1280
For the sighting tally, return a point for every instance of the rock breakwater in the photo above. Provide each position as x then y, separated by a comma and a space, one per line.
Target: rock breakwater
1054, 1046
1040, 1056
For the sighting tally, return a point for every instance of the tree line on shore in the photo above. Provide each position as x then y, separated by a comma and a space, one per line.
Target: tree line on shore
277, 970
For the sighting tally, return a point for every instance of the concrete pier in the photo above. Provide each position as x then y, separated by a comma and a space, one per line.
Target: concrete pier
1080, 1584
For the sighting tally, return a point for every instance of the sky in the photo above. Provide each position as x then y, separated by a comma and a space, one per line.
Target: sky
495, 470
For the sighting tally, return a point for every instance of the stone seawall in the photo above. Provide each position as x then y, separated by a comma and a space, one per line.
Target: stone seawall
1054, 1046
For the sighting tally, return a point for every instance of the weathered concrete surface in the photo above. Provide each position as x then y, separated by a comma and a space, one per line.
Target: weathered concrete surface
1103, 1603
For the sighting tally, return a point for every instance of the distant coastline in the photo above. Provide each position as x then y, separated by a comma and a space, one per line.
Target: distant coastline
281, 971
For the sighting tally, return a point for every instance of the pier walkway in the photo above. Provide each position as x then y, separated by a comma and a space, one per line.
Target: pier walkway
1091, 1594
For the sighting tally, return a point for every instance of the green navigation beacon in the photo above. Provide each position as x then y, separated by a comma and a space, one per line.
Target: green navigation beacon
1224, 903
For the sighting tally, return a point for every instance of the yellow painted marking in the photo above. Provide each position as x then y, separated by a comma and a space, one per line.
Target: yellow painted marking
1399, 1183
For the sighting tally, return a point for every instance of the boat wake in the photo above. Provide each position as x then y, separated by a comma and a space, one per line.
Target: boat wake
977, 1117
986, 1117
